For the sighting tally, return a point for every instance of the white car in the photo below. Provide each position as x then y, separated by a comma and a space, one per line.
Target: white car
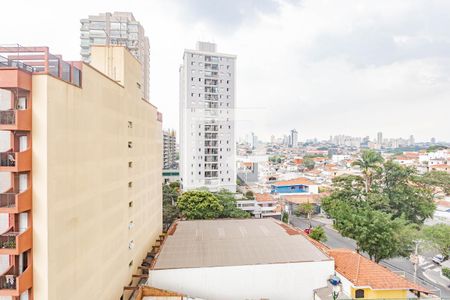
438, 259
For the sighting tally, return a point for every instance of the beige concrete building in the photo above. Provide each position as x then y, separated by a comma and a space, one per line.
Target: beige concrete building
84, 160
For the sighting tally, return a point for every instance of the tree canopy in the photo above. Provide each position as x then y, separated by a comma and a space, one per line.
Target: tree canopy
199, 205
318, 234
202, 204
438, 236
383, 209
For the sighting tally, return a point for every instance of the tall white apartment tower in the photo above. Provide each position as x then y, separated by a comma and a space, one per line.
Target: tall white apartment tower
207, 127
122, 29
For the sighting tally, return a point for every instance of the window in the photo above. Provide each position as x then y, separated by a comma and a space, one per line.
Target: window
130, 124
130, 264
130, 184
130, 164
138, 85
130, 204
359, 293
130, 144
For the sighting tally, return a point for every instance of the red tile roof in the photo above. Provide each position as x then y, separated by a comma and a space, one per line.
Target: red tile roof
362, 271
296, 181
300, 199
264, 197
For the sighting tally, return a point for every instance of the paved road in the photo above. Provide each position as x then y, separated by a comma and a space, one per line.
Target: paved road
399, 265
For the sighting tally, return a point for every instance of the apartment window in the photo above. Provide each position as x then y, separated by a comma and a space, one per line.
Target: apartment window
192, 94
131, 245
130, 124
138, 85
192, 78
130, 264
130, 144
130, 164
130, 184
130, 225
130, 204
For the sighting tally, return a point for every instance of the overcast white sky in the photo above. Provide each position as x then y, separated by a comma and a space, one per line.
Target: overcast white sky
323, 67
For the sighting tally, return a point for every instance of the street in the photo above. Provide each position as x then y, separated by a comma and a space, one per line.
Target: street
399, 265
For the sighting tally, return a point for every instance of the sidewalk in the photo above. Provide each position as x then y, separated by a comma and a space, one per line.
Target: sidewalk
434, 275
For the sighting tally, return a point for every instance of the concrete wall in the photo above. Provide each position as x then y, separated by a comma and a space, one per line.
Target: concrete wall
83, 222
273, 281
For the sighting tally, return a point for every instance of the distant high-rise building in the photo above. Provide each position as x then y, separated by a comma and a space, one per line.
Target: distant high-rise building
411, 140
118, 28
380, 138
272, 139
433, 140
207, 101
293, 138
254, 141
169, 149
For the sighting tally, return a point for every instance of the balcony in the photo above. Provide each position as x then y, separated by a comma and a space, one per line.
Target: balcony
12, 283
15, 161
14, 74
15, 243
14, 202
15, 119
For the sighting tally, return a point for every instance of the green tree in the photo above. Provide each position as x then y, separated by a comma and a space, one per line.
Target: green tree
285, 217
318, 233
228, 202
249, 195
170, 214
308, 163
402, 196
170, 210
199, 205
369, 163
438, 237
437, 179
305, 209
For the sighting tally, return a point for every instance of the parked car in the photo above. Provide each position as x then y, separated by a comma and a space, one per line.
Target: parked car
438, 259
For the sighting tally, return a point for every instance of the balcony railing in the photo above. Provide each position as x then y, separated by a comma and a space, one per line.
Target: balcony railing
15, 119
15, 202
14, 243
13, 283
15, 161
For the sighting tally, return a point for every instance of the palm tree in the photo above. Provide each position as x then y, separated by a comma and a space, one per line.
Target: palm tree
369, 163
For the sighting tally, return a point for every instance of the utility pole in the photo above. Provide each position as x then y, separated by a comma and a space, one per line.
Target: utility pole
415, 259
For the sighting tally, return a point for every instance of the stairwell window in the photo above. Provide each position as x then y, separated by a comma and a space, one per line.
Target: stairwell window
359, 293
130, 144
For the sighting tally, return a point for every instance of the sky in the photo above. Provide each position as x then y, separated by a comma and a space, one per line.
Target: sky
323, 67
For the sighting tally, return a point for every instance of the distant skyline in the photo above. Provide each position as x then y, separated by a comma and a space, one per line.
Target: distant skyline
322, 67
372, 137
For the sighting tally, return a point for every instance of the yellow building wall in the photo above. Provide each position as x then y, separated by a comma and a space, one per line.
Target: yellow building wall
382, 294
81, 176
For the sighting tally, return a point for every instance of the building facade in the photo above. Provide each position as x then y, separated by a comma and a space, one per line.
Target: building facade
169, 149
84, 163
118, 28
207, 126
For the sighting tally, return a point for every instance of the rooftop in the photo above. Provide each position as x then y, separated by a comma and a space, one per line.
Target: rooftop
264, 197
39, 60
232, 242
300, 180
362, 271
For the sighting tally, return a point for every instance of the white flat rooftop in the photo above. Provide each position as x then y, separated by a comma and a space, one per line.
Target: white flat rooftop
231, 242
